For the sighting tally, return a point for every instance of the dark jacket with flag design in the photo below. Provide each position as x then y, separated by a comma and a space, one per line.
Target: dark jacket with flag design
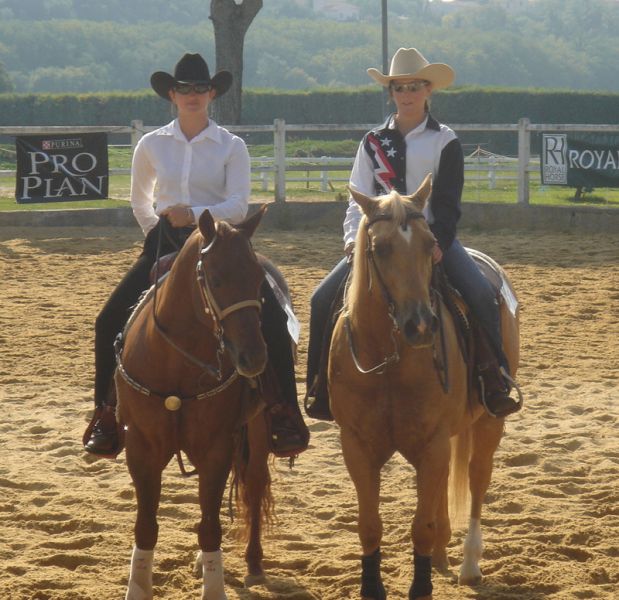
387, 160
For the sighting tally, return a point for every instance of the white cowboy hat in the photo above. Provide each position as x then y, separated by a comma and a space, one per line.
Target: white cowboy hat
409, 63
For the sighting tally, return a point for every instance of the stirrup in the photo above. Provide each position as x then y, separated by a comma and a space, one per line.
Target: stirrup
482, 394
288, 434
513, 383
317, 409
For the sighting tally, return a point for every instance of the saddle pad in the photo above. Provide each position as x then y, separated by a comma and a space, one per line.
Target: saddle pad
294, 327
494, 273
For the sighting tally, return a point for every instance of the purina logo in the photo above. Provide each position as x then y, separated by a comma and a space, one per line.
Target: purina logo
554, 159
62, 144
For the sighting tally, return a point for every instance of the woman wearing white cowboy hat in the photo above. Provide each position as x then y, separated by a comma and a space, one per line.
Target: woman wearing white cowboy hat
412, 143
178, 171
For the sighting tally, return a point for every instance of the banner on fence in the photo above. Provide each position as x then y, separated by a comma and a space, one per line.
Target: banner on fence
580, 160
57, 168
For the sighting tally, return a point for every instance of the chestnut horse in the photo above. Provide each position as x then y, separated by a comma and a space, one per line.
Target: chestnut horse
387, 395
186, 381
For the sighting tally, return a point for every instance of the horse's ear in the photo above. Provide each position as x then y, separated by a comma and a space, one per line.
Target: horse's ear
207, 226
420, 197
368, 205
249, 225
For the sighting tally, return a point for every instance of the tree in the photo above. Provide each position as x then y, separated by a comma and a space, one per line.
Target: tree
231, 20
5, 81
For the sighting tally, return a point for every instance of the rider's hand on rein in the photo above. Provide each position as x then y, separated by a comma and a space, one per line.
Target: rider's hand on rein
179, 215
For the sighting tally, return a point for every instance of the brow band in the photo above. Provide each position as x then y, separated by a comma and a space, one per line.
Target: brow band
388, 217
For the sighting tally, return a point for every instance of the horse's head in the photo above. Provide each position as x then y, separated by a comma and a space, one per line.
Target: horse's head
394, 245
231, 278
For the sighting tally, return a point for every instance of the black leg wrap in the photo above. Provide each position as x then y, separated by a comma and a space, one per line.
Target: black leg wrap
422, 577
371, 583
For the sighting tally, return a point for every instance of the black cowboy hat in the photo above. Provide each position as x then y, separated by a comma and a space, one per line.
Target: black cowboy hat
191, 68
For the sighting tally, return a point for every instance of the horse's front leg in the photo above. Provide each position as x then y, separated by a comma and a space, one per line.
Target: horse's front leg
213, 469
440, 560
145, 467
432, 477
364, 469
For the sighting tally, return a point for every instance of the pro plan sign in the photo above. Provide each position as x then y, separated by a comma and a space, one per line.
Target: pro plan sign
57, 168
582, 160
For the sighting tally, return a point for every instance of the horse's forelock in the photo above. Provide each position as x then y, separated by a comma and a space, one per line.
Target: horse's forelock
394, 205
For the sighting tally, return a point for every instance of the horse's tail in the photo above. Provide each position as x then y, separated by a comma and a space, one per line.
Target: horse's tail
254, 511
461, 445
251, 486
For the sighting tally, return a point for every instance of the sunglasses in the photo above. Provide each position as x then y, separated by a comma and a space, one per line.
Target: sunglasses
414, 86
186, 88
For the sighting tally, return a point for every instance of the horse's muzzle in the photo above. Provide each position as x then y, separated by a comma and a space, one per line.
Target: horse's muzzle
250, 364
419, 326
249, 359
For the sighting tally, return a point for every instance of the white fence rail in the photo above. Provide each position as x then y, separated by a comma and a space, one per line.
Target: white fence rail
277, 167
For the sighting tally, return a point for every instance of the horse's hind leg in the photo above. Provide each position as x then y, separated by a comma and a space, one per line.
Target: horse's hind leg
364, 469
487, 433
256, 496
145, 471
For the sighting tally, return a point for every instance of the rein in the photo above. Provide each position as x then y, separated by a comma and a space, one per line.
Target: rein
380, 368
211, 308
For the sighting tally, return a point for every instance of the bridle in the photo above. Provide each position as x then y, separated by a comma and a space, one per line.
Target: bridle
394, 357
410, 215
211, 306
211, 309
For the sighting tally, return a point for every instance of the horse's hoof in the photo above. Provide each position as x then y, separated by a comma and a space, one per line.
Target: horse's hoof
197, 566
135, 592
470, 573
254, 579
440, 563
471, 580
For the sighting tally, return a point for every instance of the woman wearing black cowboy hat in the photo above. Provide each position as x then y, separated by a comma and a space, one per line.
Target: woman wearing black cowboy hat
178, 171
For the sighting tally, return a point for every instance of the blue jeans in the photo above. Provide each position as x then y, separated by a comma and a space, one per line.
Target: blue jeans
320, 306
462, 273
465, 276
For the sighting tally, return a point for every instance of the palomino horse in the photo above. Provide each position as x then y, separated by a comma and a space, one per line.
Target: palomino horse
387, 396
185, 380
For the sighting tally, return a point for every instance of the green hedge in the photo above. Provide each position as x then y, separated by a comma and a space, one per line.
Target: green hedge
358, 105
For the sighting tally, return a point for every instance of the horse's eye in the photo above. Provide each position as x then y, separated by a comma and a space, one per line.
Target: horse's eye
383, 249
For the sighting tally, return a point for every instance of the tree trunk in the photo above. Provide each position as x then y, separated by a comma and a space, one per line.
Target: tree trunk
230, 23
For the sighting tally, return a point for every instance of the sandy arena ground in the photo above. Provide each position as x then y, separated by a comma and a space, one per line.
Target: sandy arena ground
551, 524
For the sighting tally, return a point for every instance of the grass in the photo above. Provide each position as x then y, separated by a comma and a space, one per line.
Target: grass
476, 188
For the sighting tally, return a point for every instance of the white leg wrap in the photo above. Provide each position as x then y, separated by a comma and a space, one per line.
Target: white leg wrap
472, 551
140, 585
213, 576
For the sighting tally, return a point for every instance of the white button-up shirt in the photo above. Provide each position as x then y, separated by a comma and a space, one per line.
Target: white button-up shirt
212, 171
